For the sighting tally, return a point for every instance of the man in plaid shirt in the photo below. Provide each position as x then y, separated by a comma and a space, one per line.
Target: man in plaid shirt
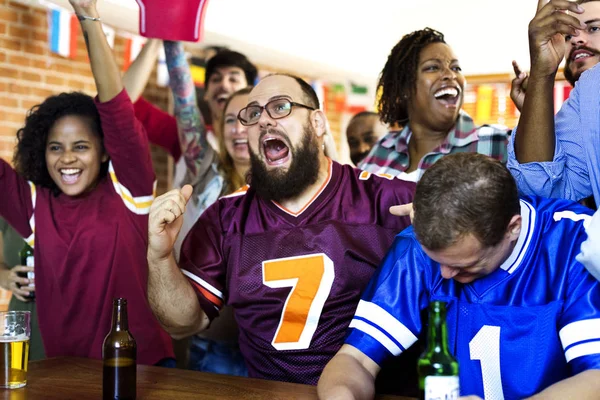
422, 88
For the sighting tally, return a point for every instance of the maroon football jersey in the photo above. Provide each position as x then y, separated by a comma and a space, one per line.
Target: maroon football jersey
294, 279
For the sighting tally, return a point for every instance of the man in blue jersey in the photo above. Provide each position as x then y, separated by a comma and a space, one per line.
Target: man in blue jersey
523, 314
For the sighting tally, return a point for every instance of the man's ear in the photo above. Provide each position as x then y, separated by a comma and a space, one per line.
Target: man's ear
318, 121
514, 227
105, 157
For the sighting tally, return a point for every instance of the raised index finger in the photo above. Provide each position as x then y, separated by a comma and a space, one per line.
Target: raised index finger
516, 68
542, 3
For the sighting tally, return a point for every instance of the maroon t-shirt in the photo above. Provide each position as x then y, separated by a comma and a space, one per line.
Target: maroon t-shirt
91, 249
294, 279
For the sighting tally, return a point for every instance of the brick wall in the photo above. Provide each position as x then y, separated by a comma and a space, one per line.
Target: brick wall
29, 73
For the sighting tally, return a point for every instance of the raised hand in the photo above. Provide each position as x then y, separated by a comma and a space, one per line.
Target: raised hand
547, 32
518, 86
166, 218
84, 7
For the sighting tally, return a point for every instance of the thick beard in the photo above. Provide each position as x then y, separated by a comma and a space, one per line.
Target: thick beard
278, 185
569, 75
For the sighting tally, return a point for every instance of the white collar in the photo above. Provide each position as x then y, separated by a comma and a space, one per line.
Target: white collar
527, 227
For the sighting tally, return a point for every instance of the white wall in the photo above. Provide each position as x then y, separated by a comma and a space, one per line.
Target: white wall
352, 39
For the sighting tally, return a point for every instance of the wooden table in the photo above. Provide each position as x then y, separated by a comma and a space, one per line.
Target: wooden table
79, 378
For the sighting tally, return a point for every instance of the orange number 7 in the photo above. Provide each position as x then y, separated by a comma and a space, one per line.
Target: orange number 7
310, 278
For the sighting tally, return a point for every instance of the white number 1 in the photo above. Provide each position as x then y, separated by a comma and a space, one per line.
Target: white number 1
485, 347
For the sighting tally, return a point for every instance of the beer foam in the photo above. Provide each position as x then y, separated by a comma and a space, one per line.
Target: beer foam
18, 338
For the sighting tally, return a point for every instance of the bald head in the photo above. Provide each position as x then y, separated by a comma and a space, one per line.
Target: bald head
287, 85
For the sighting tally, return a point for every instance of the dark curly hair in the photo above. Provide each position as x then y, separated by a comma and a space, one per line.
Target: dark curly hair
30, 155
399, 75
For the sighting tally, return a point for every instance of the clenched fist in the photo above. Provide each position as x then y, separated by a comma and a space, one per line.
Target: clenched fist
166, 218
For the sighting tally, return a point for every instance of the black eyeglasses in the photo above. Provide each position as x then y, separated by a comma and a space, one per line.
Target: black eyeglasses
278, 108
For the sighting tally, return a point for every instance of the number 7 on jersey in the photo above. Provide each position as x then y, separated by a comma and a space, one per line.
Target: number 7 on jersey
310, 278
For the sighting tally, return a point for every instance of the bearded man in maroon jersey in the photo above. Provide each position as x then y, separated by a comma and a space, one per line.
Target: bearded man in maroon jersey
291, 252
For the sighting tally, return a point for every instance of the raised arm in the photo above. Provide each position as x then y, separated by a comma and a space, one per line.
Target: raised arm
535, 137
105, 70
192, 130
137, 75
171, 296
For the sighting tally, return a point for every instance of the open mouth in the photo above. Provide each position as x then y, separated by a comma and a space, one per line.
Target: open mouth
276, 151
581, 55
448, 96
221, 99
70, 176
240, 143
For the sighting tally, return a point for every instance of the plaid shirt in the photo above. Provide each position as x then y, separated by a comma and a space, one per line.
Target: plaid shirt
390, 154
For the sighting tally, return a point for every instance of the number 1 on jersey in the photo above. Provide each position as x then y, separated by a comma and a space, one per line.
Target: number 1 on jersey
485, 347
310, 278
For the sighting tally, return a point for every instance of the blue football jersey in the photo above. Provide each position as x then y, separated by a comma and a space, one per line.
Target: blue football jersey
532, 322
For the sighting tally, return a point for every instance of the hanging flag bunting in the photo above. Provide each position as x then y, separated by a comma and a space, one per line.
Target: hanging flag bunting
320, 91
358, 99
133, 46
62, 32
198, 71
502, 93
484, 104
339, 97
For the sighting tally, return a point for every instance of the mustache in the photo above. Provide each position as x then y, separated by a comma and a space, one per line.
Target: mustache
283, 136
586, 48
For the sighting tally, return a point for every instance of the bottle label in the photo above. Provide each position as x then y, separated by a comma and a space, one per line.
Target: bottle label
442, 387
30, 274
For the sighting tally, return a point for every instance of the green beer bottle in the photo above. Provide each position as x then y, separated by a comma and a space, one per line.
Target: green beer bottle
26, 255
438, 370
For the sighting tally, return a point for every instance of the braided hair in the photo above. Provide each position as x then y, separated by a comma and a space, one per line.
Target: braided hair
398, 78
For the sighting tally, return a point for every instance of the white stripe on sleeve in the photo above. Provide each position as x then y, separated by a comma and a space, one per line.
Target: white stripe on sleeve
579, 331
203, 283
377, 335
584, 349
386, 322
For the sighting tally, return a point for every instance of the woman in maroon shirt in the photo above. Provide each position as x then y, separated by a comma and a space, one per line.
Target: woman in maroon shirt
82, 197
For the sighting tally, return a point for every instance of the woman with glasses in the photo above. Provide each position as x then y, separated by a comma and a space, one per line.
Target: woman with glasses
422, 89
211, 175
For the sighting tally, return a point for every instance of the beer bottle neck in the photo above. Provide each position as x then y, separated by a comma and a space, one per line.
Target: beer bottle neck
119, 317
437, 340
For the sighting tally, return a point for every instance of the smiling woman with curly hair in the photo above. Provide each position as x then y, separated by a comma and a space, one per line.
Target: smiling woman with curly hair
88, 227
30, 154
422, 89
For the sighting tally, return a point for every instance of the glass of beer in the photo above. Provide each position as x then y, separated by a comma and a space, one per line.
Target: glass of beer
15, 331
